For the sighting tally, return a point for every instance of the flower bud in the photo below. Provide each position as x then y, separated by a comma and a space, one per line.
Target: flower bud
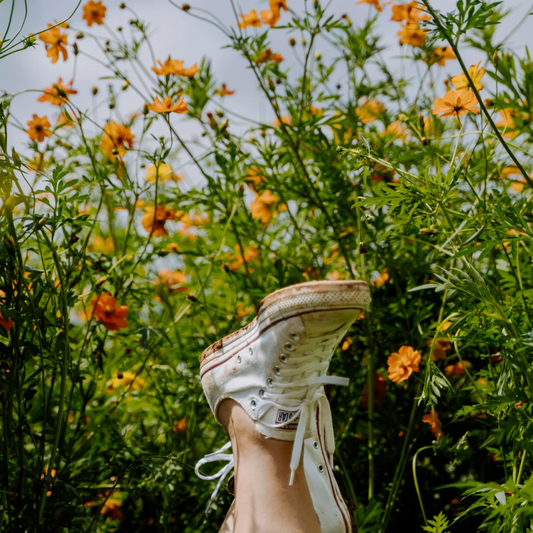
185, 7
80, 35
95, 91
424, 141
489, 102
122, 5
76, 49
363, 248
495, 58
292, 41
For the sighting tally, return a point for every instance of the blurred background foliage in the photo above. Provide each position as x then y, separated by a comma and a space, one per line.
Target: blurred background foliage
114, 276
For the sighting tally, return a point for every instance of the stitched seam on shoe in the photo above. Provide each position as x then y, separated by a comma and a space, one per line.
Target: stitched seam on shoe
326, 461
203, 372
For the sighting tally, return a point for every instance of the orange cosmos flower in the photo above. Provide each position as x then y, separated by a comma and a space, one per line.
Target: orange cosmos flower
440, 349
246, 257
507, 123
116, 137
166, 106
251, 19
125, 379
94, 13
369, 110
458, 369
455, 103
269, 57
396, 129
111, 509
285, 119
432, 419
261, 206
224, 91
180, 426
403, 363
6, 324
39, 128
410, 12
173, 281
412, 35
102, 246
153, 220
174, 66
163, 172
381, 280
272, 15
476, 73
380, 390
440, 55
106, 310
55, 43
518, 186
375, 3
58, 93
254, 177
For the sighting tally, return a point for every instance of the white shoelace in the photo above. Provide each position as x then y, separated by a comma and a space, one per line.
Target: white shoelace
299, 391
221, 474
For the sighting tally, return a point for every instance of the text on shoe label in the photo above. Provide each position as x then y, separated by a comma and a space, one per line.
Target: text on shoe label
283, 417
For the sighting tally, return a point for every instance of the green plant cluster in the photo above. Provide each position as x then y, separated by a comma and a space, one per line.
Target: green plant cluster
354, 178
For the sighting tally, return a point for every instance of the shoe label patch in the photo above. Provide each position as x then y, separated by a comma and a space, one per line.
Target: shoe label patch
283, 417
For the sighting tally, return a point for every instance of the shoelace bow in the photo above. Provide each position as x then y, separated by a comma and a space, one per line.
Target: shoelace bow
300, 391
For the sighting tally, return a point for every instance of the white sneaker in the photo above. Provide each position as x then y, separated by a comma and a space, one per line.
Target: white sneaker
275, 368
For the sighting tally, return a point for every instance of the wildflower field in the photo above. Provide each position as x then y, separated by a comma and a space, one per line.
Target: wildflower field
139, 229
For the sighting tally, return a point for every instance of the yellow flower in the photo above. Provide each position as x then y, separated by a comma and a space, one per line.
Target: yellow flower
461, 83
55, 43
115, 138
39, 128
261, 206
250, 19
153, 220
507, 123
403, 363
166, 106
412, 34
455, 103
369, 110
440, 55
375, 3
163, 172
94, 13
125, 379
174, 66
410, 12
58, 93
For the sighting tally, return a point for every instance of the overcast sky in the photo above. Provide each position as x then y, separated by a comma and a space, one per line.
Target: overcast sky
183, 37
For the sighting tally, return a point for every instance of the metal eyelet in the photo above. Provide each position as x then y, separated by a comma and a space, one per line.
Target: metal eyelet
239, 359
251, 351
277, 370
289, 347
262, 393
315, 445
270, 382
321, 468
253, 403
283, 358
294, 336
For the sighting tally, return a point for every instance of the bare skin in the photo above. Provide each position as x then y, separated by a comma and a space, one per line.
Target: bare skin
264, 501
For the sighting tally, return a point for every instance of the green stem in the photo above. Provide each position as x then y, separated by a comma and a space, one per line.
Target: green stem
64, 366
417, 488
